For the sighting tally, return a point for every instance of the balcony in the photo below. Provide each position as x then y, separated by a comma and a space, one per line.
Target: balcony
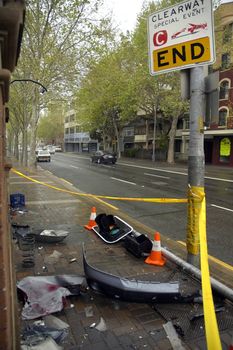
78, 137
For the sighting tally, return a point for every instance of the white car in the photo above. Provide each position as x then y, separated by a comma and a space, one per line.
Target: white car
58, 149
51, 149
43, 156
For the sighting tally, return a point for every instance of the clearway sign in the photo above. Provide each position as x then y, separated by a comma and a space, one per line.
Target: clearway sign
181, 36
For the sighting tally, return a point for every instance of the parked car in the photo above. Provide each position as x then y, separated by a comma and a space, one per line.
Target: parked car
43, 156
58, 149
103, 157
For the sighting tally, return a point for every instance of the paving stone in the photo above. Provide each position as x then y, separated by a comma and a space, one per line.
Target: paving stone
130, 325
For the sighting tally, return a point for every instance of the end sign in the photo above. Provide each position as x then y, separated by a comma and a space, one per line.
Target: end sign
181, 36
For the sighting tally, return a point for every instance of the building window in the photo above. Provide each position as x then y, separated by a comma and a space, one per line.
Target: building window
226, 60
224, 90
72, 130
227, 34
222, 117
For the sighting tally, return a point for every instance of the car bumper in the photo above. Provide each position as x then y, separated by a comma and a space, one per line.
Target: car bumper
43, 159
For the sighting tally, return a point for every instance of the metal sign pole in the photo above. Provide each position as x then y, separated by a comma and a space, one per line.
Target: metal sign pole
196, 161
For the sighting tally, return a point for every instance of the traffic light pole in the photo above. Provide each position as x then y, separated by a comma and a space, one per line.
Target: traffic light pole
196, 162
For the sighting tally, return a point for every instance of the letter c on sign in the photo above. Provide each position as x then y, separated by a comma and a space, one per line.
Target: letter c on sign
160, 38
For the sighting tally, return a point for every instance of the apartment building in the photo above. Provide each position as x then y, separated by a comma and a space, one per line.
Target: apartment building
218, 133
76, 139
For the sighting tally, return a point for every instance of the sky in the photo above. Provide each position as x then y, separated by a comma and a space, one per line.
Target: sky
124, 12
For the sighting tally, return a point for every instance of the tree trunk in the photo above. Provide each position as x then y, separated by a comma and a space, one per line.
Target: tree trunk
117, 137
172, 133
34, 122
16, 146
24, 154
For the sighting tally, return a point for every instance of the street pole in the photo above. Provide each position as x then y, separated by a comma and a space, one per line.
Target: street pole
196, 162
154, 133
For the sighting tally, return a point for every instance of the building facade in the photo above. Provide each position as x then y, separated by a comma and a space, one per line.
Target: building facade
76, 139
11, 28
218, 133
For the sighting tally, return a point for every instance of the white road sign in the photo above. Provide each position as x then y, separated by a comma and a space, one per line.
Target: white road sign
181, 36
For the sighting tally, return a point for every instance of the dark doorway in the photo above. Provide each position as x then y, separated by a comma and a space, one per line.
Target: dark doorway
208, 149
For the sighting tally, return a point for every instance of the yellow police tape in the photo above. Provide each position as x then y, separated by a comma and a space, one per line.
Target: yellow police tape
195, 194
211, 327
149, 200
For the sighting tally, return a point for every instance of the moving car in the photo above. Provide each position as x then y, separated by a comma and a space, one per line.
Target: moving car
43, 156
103, 157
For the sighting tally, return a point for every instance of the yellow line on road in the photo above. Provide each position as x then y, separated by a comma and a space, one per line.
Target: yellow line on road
105, 203
217, 261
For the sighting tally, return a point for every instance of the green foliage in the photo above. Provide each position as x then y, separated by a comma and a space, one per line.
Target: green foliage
51, 126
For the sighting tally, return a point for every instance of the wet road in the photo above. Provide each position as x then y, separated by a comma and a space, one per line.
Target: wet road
142, 179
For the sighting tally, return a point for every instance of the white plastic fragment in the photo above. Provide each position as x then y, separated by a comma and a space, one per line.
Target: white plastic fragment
172, 336
101, 326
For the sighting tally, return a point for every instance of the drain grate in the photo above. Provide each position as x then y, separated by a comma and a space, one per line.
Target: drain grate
188, 319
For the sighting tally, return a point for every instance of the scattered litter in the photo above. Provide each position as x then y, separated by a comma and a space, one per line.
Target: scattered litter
48, 344
72, 260
89, 311
51, 236
54, 322
101, 326
39, 248
32, 334
45, 295
54, 233
71, 306
53, 258
172, 336
92, 325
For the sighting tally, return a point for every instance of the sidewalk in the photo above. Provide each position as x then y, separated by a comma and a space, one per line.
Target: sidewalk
129, 325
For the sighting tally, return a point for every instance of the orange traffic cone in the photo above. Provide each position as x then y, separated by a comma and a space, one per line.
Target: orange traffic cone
155, 257
92, 222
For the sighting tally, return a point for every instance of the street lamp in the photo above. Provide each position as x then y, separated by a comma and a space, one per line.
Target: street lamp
43, 88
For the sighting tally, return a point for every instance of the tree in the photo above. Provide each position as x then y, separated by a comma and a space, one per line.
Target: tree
101, 100
51, 125
59, 39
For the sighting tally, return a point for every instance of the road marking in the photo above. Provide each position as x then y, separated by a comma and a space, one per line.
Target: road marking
66, 181
127, 182
75, 167
148, 168
217, 261
163, 177
217, 206
105, 203
173, 172
217, 179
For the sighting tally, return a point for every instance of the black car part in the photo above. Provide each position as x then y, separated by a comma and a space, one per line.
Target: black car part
111, 228
138, 245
